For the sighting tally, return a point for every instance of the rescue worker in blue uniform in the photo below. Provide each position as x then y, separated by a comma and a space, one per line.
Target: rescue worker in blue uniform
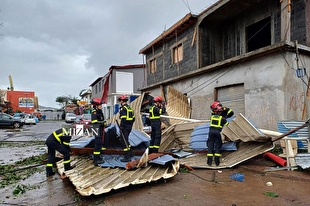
214, 142
97, 120
155, 111
58, 141
127, 117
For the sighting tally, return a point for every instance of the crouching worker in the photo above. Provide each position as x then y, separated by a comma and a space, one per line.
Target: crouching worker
58, 141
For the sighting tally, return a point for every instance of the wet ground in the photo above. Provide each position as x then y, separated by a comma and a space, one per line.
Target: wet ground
197, 187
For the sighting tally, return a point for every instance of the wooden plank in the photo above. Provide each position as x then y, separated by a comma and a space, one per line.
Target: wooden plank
83, 151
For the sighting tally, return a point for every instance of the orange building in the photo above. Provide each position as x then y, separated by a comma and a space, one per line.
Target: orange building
22, 100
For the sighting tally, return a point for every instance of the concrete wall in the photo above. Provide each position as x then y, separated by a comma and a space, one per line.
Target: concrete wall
272, 90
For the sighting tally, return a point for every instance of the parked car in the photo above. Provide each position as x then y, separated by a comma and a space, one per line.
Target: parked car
7, 120
86, 119
70, 118
78, 119
19, 115
29, 119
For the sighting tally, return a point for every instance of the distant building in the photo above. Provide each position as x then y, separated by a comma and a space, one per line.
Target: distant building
24, 101
126, 79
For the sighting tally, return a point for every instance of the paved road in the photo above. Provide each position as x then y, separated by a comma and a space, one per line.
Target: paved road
38, 132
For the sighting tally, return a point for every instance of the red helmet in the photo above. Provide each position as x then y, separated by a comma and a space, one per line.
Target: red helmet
96, 101
216, 106
123, 98
158, 99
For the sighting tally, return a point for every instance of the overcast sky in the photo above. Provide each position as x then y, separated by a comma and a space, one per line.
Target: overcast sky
59, 47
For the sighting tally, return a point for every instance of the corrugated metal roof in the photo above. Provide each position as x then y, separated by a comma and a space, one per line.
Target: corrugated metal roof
178, 138
112, 174
91, 180
249, 140
285, 126
199, 138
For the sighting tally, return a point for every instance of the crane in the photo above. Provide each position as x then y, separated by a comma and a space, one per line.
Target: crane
11, 83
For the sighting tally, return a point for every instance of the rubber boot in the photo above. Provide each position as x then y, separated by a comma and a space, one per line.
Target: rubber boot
209, 161
217, 161
49, 171
127, 157
68, 167
98, 160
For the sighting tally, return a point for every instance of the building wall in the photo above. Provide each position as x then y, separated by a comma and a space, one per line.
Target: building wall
22, 100
222, 42
272, 92
165, 69
138, 79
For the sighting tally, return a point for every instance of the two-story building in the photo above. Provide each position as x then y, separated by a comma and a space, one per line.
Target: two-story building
246, 54
126, 79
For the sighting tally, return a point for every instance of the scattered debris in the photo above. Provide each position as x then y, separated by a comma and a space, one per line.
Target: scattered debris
237, 176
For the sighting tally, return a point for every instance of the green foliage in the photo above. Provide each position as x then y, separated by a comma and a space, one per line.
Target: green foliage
20, 189
271, 194
64, 100
21, 144
184, 169
12, 173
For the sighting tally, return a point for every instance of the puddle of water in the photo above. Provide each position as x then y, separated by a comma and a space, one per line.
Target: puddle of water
45, 191
12, 154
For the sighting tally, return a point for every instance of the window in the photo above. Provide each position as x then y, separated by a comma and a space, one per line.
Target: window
177, 54
152, 66
100, 86
258, 34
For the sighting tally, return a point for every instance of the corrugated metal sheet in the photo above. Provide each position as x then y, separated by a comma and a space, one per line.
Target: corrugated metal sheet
303, 160
200, 135
240, 129
91, 180
285, 126
250, 143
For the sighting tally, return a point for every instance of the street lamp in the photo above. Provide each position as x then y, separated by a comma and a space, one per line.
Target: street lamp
26, 103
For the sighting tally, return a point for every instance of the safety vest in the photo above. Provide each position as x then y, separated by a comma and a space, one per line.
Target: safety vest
58, 137
215, 121
152, 115
94, 121
129, 114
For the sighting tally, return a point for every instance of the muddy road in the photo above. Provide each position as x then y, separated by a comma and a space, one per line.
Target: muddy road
197, 187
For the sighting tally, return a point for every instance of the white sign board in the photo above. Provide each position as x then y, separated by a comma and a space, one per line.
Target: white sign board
124, 82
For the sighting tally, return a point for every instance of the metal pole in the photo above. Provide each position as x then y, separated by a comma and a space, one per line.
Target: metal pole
26, 103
